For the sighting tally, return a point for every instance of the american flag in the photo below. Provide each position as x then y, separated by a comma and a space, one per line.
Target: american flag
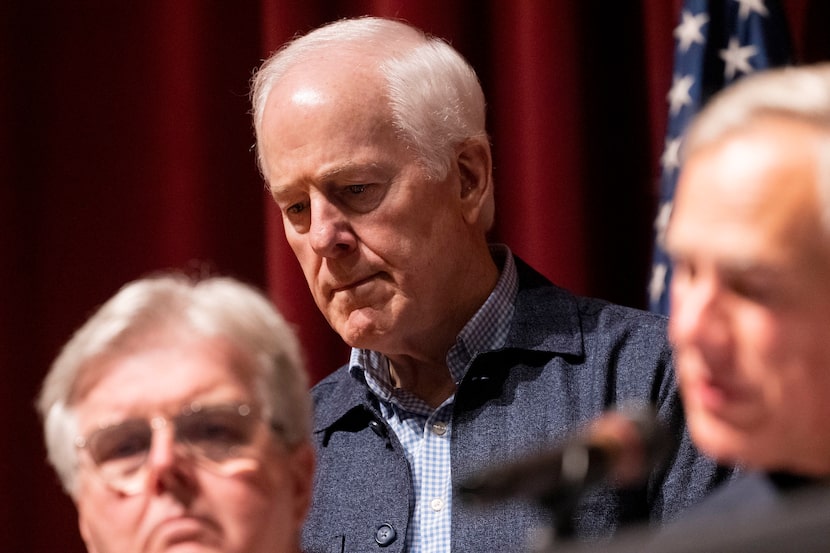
717, 42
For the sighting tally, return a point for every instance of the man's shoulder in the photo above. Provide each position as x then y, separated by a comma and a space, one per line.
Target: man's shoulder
534, 283
751, 492
336, 394
608, 314
338, 377
541, 303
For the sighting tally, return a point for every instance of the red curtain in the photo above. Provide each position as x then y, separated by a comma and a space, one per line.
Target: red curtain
126, 148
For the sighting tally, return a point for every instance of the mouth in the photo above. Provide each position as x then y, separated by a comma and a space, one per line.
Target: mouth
717, 396
353, 284
184, 529
715, 383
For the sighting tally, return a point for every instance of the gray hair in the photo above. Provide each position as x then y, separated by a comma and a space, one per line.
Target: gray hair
216, 306
797, 93
433, 93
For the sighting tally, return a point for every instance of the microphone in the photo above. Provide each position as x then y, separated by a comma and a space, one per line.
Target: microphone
620, 447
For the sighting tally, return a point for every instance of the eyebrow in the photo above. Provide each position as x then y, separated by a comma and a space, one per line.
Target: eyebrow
758, 271
733, 265
345, 169
348, 168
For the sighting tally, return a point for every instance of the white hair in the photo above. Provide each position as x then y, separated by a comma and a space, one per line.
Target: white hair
216, 306
797, 93
433, 93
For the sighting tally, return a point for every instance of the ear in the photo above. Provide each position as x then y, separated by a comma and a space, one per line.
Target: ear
475, 171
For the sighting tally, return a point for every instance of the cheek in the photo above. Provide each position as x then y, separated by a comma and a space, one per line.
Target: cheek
108, 523
759, 331
690, 382
309, 261
784, 360
781, 348
258, 519
798, 367
310, 265
765, 345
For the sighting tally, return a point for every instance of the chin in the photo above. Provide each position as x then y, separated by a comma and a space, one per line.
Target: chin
361, 330
719, 440
194, 548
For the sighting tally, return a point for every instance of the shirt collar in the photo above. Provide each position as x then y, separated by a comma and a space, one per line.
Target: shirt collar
487, 330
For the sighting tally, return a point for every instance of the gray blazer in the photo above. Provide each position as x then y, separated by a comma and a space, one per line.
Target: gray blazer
566, 360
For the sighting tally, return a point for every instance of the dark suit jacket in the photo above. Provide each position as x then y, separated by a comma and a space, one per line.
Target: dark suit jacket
755, 513
749, 493
566, 360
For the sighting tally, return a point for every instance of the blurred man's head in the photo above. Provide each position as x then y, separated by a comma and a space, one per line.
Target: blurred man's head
750, 240
178, 417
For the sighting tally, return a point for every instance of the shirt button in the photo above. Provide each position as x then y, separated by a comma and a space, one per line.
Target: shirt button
385, 534
440, 428
436, 504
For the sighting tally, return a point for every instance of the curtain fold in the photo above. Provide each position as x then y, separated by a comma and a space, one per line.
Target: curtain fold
127, 148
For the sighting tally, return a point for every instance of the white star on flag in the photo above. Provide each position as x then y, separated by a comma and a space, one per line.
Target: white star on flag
661, 222
658, 281
749, 6
716, 43
736, 58
679, 95
688, 32
670, 160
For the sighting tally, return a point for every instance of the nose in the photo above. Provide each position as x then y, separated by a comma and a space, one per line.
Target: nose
167, 468
698, 315
330, 230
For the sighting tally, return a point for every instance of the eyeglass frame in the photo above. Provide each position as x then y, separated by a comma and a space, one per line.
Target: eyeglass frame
139, 474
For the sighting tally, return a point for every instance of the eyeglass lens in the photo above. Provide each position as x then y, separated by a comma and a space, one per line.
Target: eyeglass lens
224, 438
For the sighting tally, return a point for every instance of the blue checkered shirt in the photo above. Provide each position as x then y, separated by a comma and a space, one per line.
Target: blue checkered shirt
424, 432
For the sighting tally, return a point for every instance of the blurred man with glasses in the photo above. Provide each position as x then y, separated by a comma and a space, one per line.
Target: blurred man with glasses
178, 416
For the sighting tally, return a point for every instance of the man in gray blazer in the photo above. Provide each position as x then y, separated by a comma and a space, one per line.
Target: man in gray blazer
372, 139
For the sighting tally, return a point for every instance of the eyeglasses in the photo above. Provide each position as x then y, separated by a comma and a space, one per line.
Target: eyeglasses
225, 439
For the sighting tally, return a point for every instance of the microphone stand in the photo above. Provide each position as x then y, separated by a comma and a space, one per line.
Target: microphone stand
562, 504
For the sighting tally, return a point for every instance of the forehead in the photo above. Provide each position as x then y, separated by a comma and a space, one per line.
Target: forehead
753, 193
345, 87
163, 375
325, 115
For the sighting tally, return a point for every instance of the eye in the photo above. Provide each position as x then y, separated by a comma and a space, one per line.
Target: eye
751, 289
682, 269
290, 199
129, 439
216, 429
295, 209
295, 215
362, 197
